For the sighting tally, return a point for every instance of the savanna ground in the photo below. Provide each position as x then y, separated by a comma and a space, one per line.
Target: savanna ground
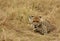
14, 24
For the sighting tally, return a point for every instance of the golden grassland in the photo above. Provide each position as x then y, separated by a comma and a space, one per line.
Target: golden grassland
14, 15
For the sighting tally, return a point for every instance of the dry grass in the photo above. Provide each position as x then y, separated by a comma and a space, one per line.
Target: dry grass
14, 24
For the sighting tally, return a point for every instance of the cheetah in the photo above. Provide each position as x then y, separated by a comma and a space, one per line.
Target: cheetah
41, 25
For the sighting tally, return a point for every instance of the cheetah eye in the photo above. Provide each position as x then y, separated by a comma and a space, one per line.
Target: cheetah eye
40, 16
35, 21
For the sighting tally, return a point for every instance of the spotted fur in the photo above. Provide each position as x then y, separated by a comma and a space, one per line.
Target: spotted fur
40, 24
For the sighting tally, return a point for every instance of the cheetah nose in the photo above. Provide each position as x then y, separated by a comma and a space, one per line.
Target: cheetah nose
35, 27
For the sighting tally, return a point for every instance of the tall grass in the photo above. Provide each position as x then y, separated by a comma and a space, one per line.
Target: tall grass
14, 15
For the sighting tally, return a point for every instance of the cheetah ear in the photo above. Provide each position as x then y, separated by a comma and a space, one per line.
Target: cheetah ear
31, 17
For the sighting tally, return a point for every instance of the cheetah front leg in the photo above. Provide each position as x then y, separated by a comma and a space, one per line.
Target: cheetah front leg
44, 30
